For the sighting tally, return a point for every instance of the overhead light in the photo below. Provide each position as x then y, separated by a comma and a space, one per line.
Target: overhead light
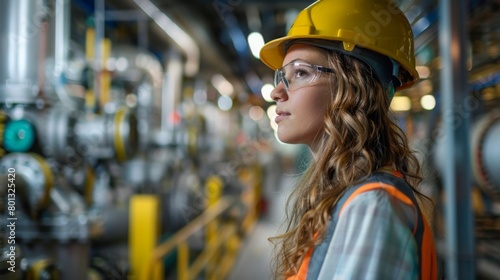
256, 42
271, 114
401, 103
428, 102
200, 96
423, 72
266, 92
223, 86
225, 103
256, 113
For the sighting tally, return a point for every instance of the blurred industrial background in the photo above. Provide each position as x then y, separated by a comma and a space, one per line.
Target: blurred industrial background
137, 141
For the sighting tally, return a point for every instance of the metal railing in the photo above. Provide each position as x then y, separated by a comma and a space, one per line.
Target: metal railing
225, 238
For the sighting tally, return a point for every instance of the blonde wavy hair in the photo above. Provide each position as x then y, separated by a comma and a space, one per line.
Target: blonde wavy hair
359, 138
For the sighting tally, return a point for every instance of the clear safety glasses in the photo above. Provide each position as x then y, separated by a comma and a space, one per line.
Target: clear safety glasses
297, 74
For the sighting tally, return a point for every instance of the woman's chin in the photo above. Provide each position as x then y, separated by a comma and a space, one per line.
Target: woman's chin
287, 139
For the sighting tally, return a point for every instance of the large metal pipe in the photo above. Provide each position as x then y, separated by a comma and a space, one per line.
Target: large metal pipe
20, 50
172, 86
457, 177
177, 36
62, 36
58, 49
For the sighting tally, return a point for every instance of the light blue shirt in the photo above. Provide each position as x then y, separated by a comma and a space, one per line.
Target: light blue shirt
373, 239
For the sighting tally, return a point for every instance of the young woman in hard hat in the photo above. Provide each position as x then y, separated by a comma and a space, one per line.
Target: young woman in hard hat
357, 212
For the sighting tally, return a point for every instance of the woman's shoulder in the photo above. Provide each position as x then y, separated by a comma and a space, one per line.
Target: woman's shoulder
379, 201
390, 185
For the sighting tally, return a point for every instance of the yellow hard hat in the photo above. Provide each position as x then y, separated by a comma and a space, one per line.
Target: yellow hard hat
365, 29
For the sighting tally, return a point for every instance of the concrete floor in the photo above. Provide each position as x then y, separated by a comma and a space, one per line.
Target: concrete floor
254, 259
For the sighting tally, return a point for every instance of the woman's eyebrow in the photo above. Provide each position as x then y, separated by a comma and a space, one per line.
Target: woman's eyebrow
297, 60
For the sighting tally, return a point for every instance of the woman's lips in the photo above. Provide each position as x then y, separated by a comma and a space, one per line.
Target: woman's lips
281, 115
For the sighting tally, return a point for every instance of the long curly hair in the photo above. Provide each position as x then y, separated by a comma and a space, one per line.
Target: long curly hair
360, 137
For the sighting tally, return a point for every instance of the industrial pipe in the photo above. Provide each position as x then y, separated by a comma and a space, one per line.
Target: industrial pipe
20, 50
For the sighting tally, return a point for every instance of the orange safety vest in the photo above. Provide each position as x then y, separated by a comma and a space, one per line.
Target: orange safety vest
399, 189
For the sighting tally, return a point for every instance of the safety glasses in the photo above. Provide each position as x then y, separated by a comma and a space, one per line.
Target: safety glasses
297, 74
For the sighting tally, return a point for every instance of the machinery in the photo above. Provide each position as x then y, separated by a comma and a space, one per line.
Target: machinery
85, 130
108, 166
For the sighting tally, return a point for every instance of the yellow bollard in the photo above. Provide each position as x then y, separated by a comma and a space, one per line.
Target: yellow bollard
144, 229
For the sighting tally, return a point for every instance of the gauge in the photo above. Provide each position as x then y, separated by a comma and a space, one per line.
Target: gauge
19, 136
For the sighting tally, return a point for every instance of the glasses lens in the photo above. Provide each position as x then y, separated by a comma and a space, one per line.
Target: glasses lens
277, 77
296, 75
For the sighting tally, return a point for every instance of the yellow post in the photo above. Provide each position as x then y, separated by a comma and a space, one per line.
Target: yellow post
213, 191
90, 101
144, 229
183, 261
257, 181
89, 44
104, 93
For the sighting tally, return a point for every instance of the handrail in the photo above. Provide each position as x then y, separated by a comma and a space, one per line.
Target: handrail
183, 234
225, 233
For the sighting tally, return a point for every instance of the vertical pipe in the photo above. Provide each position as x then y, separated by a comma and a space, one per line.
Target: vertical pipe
457, 178
58, 47
62, 36
99, 36
142, 25
171, 90
20, 23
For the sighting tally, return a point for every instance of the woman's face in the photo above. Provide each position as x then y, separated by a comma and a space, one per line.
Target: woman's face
301, 111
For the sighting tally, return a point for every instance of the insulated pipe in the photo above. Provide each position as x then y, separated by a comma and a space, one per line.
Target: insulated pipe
459, 239
178, 37
62, 35
20, 50
58, 42
171, 90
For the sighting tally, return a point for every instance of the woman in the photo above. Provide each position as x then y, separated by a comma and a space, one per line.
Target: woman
357, 213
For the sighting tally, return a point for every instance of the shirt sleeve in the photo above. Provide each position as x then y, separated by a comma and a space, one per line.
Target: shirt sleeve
373, 239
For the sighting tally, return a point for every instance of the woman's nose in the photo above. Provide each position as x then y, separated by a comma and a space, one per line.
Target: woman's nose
279, 92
